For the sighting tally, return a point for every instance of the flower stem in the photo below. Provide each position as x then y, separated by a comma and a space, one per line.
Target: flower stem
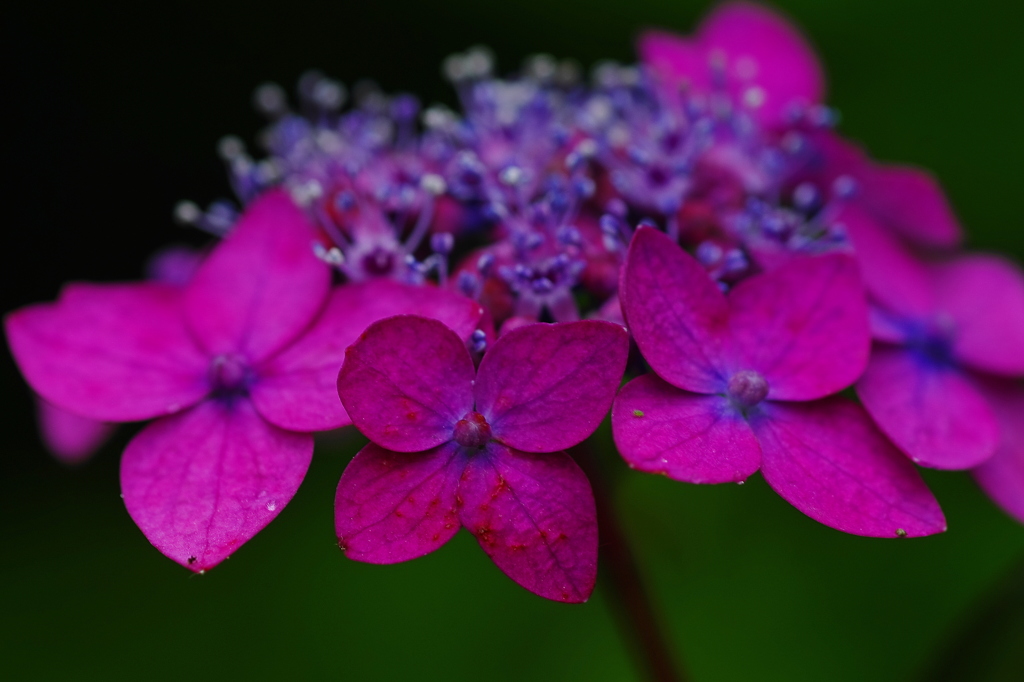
634, 611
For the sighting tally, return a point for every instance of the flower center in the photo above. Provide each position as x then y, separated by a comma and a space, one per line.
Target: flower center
747, 388
934, 339
230, 374
472, 431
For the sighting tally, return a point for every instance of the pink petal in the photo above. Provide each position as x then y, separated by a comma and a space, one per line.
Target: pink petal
396, 506
661, 429
534, 515
406, 382
831, 156
893, 276
110, 352
804, 327
1002, 476
984, 297
298, 388
546, 387
675, 312
762, 50
674, 59
910, 201
262, 286
931, 411
69, 437
829, 461
201, 483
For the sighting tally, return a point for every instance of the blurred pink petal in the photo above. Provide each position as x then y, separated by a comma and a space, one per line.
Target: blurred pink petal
675, 59
984, 298
762, 50
201, 483
931, 411
661, 429
829, 461
68, 436
911, 202
1002, 476
765, 62
174, 265
893, 276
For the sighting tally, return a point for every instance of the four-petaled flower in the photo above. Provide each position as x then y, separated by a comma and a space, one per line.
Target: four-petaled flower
453, 446
239, 366
934, 323
742, 383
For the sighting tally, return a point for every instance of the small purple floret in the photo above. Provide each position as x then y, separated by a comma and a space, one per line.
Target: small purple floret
472, 431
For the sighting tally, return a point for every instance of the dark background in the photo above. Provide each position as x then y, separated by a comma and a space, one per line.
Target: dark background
113, 113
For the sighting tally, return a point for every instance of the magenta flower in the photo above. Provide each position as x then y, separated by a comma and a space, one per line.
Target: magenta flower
931, 324
238, 366
452, 446
741, 383
1002, 475
745, 52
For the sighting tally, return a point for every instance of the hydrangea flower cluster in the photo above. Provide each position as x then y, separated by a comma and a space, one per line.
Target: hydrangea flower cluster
426, 275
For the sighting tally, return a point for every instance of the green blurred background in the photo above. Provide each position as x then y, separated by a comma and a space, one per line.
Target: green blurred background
114, 111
